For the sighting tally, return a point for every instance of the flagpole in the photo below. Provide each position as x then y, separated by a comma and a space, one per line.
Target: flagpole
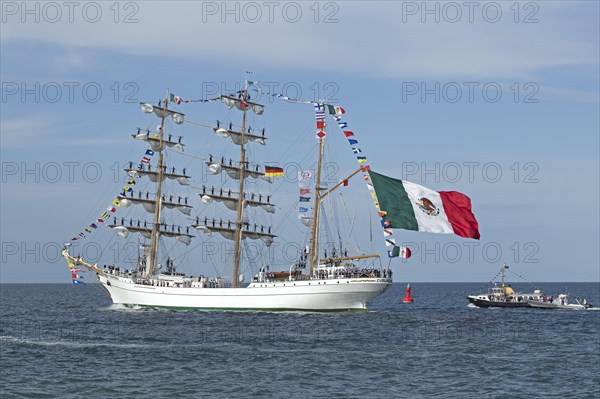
340, 183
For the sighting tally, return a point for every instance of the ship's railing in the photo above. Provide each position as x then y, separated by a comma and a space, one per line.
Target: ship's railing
187, 282
324, 274
183, 282
116, 271
206, 282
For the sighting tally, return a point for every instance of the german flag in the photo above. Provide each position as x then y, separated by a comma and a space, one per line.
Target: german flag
271, 171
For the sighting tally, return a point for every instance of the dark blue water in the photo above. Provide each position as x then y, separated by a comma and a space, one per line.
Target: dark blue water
64, 341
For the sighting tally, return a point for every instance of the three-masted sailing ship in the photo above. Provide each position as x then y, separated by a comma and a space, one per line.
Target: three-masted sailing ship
314, 282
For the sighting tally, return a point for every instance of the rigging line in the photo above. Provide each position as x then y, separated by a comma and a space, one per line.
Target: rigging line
111, 239
350, 220
299, 137
370, 230
103, 291
96, 211
279, 238
518, 275
333, 220
275, 190
355, 245
210, 126
284, 219
327, 219
199, 124
531, 284
214, 266
186, 155
250, 263
336, 218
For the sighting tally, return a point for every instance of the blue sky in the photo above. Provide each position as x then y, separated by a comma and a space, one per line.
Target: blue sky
504, 87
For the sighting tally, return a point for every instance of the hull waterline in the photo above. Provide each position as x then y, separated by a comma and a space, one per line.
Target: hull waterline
308, 295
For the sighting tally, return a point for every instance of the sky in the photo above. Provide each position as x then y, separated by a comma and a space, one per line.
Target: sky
497, 100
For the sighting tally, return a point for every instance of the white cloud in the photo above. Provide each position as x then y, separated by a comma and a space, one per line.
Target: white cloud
570, 95
44, 131
369, 39
21, 132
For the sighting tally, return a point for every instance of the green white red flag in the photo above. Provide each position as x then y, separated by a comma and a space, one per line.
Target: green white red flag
409, 206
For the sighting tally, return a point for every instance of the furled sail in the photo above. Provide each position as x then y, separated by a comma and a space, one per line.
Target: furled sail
177, 117
234, 172
150, 204
230, 199
227, 230
145, 229
153, 139
142, 170
241, 104
236, 137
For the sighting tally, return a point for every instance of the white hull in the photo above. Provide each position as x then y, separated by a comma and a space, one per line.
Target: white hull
556, 306
311, 295
561, 302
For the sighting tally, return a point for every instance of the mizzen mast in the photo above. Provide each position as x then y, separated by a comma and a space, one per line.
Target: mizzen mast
240, 203
156, 226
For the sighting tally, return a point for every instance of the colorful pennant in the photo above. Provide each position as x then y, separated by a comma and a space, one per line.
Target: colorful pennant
320, 118
396, 250
303, 178
115, 203
75, 278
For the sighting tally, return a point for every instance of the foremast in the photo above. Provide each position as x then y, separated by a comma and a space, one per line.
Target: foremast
240, 204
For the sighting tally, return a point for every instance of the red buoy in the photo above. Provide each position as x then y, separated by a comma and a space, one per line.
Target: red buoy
407, 298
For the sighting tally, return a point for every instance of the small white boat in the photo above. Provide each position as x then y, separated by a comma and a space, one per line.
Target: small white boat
561, 302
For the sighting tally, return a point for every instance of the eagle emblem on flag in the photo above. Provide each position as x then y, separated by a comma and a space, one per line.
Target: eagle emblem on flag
428, 207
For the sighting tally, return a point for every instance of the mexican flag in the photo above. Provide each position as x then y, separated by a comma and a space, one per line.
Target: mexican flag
176, 99
402, 252
334, 110
409, 206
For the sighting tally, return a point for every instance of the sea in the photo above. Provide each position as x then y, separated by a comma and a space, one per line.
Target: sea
64, 341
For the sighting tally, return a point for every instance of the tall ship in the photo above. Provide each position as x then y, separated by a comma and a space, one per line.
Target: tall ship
326, 276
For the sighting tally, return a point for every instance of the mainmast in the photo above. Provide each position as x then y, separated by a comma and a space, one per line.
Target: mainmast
314, 256
156, 227
240, 203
